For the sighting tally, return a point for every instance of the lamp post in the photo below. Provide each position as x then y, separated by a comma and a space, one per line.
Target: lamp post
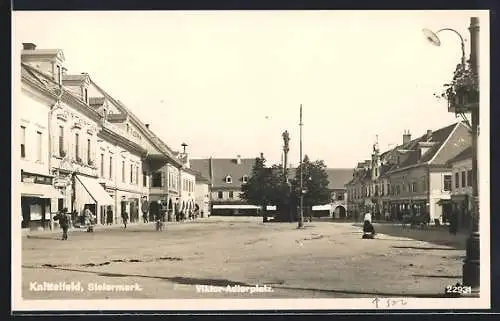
301, 210
470, 271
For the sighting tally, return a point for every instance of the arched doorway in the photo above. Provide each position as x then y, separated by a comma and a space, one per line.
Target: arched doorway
340, 212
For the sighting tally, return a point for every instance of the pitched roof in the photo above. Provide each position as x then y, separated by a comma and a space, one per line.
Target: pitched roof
409, 153
96, 101
80, 77
338, 177
222, 167
465, 154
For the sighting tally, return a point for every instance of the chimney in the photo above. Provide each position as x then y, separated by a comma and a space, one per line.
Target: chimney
29, 46
238, 159
147, 126
406, 137
428, 134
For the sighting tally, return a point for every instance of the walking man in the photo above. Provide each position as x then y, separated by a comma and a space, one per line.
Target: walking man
63, 219
145, 208
125, 218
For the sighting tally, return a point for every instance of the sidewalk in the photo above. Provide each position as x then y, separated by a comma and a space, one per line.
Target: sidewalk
437, 235
99, 227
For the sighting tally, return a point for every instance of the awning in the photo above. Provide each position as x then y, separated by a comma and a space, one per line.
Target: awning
95, 190
235, 206
322, 207
444, 201
39, 190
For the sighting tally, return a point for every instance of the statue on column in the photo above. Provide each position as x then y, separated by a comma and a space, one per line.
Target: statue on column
286, 140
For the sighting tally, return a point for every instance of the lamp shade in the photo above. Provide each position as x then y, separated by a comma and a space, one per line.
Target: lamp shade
431, 37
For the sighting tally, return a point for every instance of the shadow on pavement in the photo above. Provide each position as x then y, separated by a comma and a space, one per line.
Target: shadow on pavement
224, 282
423, 248
437, 276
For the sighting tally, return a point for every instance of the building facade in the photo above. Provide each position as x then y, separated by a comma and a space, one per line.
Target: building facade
226, 176
412, 179
461, 187
39, 199
82, 147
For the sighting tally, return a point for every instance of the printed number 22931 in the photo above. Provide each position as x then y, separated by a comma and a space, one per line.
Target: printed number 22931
456, 289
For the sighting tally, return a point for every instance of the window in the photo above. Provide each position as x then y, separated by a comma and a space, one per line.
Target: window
110, 167
156, 179
414, 187
144, 179
231, 194
77, 146
447, 183
86, 95
128, 128
23, 142
89, 157
61, 141
219, 195
38, 146
340, 196
463, 179
245, 179
131, 173
376, 171
137, 175
229, 180
123, 171
469, 178
102, 165
457, 180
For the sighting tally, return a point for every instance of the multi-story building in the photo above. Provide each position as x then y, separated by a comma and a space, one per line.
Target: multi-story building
31, 160
337, 179
413, 178
226, 176
202, 194
461, 186
92, 149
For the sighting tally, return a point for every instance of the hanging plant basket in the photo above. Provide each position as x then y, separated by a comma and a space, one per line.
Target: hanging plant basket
462, 94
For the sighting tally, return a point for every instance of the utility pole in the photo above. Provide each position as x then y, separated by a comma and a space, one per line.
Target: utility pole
301, 212
471, 275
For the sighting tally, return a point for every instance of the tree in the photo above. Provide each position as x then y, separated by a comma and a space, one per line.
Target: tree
315, 184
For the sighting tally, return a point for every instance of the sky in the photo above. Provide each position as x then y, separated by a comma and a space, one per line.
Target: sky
229, 83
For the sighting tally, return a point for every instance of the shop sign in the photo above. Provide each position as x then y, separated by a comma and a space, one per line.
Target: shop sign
60, 182
37, 179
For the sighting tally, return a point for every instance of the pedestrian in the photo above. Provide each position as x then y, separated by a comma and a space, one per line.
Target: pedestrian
368, 230
145, 209
90, 219
125, 218
63, 219
109, 216
454, 222
368, 217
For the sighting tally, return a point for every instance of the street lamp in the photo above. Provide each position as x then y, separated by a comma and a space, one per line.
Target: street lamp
470, 272
301, 210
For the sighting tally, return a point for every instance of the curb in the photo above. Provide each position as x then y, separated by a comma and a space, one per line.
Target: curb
103, 227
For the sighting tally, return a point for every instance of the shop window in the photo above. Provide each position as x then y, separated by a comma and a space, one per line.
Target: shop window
463, 179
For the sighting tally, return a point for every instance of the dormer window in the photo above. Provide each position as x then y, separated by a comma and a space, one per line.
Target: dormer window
245, 179
229, 180
59, 75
